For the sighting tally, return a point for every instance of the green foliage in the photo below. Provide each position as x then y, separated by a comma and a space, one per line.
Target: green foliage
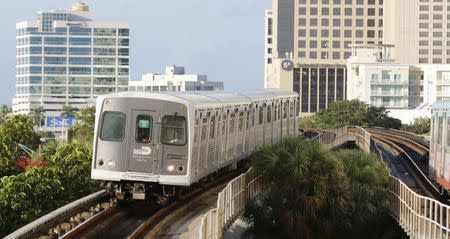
351, 113
16, 129
84, 131
314, 193
4, 112
68, 111
37, 115
26, 196
309, 192
421, 125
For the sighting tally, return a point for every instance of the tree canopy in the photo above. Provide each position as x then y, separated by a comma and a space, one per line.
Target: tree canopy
316, 193
420, 125
17, 129
350, 113
84, 130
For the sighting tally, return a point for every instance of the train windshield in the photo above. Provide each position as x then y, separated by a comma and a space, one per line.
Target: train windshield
173, 130
113, 126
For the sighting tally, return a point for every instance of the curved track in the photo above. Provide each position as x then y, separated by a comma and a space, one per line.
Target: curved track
414, 157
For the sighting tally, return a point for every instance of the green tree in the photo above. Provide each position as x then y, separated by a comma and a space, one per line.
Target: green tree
308, 193
351, 113
37, 115
37, 191
4, 112
420, 125
369, 210
68, 111
84, 130
17, 129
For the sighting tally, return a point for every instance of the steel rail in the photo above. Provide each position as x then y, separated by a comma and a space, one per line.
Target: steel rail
424, 183
145, 229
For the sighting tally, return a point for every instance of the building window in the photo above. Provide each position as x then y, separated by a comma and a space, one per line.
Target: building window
313, 55
336, 55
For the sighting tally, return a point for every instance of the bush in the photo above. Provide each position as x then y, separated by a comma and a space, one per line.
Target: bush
66, 177
315, 193
17, 129
309, 192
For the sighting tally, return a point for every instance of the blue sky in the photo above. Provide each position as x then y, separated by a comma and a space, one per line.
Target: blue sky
223, 39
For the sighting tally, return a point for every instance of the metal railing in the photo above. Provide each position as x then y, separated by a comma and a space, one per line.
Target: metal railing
230, 204
419, 216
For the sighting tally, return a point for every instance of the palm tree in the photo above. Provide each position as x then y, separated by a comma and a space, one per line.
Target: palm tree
309, 192
68, 111
37, 115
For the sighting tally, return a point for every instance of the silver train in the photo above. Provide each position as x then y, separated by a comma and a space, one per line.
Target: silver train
149, 145
439, 165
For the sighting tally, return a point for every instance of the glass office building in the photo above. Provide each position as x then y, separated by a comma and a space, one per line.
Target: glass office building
66, 58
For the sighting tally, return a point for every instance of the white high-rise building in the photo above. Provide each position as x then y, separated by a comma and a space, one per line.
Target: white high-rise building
174, 79
66, 58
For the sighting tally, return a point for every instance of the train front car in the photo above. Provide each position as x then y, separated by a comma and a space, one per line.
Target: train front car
141, 145
439, 164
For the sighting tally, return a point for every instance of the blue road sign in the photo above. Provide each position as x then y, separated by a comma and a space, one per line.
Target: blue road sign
59, 122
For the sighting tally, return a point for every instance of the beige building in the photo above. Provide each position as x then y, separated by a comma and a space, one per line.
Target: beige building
315, 35
418, 29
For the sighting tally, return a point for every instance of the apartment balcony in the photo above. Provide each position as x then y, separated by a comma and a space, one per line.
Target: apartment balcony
416, 82
443, 94
415, 93
387, 82
391, 105
389, 93
443, 82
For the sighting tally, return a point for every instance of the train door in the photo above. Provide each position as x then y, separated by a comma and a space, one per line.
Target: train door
144, 146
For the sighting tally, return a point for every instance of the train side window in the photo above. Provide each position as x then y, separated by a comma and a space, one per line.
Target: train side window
204, 128
439, 134
261, 115
232, 123
291, 109
173, 131
269, 114
196, 131
241, 121
212, 127
247, 123
224, 124
144, 125
448, 131
113, 126
433, 131
285, 109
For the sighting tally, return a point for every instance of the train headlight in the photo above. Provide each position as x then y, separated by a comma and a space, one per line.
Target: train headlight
111, 163
171, 168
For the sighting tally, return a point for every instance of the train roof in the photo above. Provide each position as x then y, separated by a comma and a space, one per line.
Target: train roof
207, 98
441, 105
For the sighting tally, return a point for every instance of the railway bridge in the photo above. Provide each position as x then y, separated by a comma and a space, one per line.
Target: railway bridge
415, 203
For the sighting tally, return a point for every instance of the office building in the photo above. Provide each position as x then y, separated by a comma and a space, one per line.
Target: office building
315, 36
406, 90
174, 79
419, 29
66, 58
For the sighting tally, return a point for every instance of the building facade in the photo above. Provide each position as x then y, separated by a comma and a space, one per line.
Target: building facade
406, 90
316, 36
174, 79
66, 58
419, 29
